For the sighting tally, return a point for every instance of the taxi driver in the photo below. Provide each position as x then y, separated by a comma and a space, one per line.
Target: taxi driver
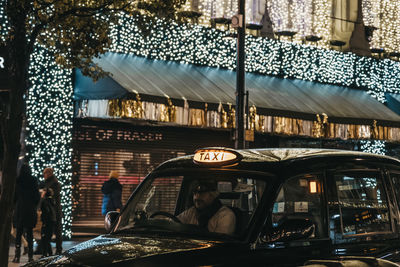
208, 211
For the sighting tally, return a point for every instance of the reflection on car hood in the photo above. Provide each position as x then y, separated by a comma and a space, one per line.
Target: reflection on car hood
108, 249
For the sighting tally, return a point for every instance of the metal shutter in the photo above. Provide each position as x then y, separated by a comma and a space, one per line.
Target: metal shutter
100, 146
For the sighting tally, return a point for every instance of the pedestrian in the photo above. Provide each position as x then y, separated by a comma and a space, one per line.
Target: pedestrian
24, 243
25, 217
49, 218
50, 181
112, 193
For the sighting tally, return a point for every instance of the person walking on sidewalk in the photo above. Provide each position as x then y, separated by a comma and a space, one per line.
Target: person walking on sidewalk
112, 191
50, 181
25, 217
23, 240
48, 217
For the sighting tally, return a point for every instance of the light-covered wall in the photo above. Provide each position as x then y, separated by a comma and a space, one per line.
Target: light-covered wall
329, 19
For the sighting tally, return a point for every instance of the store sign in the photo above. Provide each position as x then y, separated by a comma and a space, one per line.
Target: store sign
3, 70
117, 135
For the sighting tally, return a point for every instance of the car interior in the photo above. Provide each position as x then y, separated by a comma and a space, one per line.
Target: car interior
241, 195
298, 203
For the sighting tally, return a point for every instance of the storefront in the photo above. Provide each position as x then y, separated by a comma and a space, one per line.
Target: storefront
149, 111
131, 148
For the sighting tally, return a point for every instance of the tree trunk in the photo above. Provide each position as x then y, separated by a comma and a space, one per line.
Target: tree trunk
11, 130
11, 124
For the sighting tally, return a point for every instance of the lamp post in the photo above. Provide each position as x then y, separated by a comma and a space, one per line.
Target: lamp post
240, 76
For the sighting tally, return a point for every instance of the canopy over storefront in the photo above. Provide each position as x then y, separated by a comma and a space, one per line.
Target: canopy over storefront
393, 102
273, 95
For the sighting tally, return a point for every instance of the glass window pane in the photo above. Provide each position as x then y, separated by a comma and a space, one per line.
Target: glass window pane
199, 199
362, 202
299, 198
161, 195
396, 185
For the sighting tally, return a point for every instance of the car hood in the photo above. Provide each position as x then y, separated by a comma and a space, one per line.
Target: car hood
110, 249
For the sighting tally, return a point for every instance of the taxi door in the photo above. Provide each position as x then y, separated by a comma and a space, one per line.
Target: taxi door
362, 219
296, 228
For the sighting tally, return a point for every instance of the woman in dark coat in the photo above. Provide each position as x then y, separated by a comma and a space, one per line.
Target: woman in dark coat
25, 216
112, 191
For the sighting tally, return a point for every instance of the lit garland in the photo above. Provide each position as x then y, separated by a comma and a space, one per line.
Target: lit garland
373, 146
370, 10
385, 16
3, 21
49, 125
279, 13
322, 21
49, 112
303, 17
216, 9
200, 45
225, 9
312, 17
187, 6
301, 12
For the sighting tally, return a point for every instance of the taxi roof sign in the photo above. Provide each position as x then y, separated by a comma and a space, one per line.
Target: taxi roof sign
215, 156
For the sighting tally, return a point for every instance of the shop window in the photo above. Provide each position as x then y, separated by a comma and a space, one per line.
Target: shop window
361, 207
299, 199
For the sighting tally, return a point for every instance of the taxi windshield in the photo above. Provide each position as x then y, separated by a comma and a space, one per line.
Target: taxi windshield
201, 203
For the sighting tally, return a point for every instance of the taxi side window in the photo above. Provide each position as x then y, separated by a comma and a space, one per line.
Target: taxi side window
299, 198
361, 207
395, 176
162, 196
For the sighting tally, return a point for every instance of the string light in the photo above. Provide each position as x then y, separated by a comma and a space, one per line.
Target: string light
226, 9
206, 46
187, 6
49, 125
3, 22
303, 17
384, 15
322, 21
278, 12
373, 146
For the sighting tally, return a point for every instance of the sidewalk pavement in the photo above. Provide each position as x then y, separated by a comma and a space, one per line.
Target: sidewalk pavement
24, 258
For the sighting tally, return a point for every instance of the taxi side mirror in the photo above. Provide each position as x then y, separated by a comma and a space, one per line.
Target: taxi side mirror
110, 219
292, 229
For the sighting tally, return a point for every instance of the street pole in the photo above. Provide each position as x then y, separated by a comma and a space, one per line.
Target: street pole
240, 79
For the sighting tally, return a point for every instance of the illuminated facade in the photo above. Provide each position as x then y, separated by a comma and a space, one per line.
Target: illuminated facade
328, 19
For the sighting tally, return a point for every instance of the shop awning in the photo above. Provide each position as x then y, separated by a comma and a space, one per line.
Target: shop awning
393, 102
275, 95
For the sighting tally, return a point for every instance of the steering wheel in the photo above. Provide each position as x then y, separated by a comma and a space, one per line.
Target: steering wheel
165, 214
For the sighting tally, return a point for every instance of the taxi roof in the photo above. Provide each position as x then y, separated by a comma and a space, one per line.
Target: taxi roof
276, 155
283, 154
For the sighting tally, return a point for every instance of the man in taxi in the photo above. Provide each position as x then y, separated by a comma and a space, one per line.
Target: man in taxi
208, 211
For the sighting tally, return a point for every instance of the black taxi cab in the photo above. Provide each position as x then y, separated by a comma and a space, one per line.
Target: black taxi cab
277, 207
